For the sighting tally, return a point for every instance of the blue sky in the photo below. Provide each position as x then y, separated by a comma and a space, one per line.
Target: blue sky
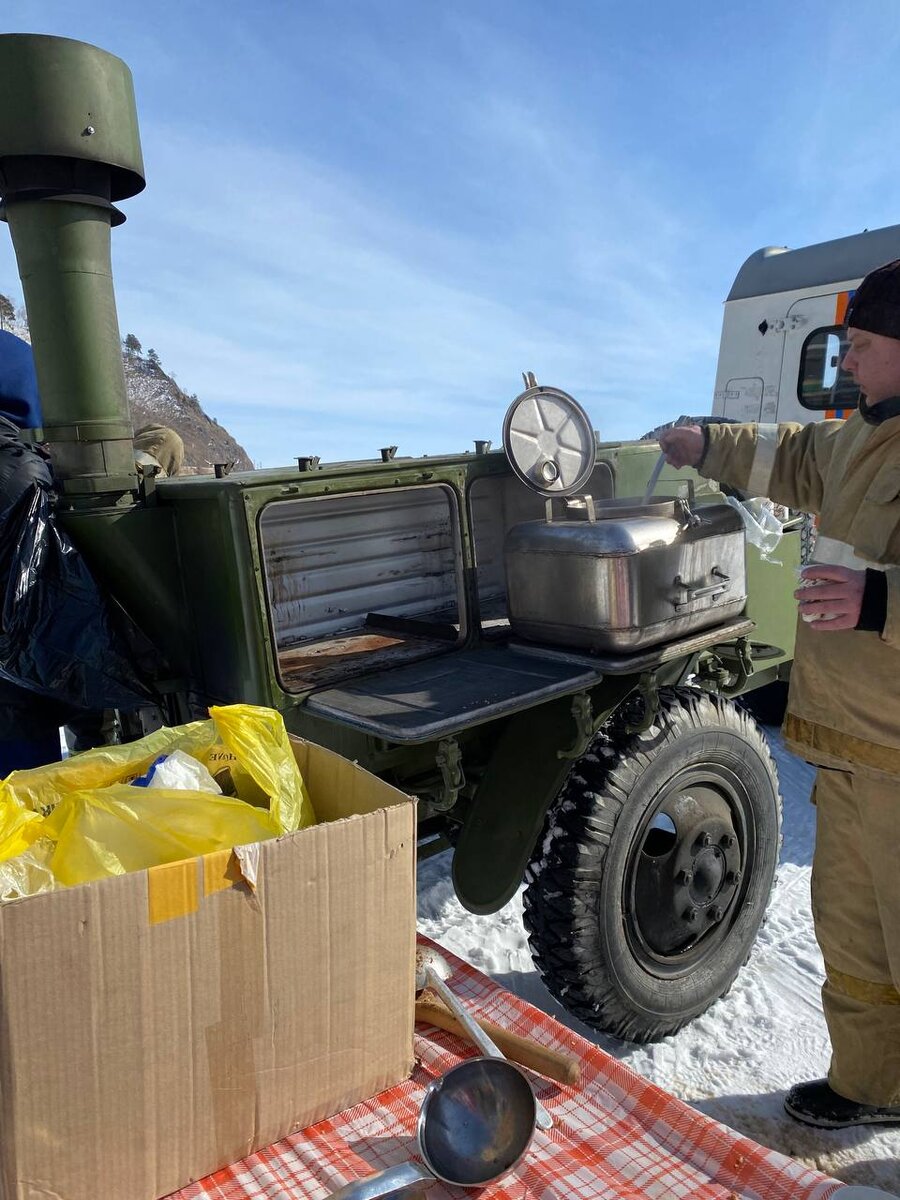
365, 218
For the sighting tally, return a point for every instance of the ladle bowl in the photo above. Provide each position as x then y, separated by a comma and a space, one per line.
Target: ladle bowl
475, 1124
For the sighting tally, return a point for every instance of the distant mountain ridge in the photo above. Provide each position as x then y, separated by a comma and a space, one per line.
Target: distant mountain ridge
155, 398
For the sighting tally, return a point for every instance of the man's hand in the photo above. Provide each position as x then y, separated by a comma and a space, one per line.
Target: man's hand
682, 446
834, 599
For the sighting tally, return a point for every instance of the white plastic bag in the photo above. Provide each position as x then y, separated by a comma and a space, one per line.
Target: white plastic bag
181, 772
762, 527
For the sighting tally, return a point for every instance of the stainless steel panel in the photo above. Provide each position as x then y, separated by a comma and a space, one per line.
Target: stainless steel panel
331, 560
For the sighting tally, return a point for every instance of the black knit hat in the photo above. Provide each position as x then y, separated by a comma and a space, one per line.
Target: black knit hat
875, 305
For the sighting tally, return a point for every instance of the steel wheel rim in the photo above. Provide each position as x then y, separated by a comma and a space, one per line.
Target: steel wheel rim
658, 899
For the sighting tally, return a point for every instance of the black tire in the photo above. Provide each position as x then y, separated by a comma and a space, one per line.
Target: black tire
766, 704
624, 940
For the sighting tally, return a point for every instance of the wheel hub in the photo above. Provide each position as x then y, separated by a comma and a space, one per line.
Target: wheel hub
686, 882
707, 873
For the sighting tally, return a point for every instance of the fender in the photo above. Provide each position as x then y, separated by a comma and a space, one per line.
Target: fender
521, 781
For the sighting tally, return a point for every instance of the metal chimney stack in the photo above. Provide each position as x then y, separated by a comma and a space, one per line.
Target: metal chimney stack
69, 148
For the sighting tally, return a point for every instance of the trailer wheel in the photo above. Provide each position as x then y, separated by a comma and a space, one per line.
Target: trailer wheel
648, 886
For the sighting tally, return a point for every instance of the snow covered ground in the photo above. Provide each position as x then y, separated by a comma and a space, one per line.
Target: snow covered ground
736, 1062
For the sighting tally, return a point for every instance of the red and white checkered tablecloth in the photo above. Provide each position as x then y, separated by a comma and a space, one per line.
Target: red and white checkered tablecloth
615, 1137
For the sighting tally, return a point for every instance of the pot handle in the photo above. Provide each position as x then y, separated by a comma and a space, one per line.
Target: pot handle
690, 594
404, 1182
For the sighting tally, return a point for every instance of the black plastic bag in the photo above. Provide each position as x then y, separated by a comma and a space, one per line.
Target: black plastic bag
59, 635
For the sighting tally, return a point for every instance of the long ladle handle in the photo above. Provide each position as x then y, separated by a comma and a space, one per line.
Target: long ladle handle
406, 1180
477, 1034
654, 476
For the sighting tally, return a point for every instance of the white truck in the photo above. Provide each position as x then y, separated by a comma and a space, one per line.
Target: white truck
782, 336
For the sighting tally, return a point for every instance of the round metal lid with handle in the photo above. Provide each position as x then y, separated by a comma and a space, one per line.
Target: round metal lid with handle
549, 441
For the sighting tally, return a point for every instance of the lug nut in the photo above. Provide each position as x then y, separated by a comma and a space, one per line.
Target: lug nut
733, 877
705, 839
690, 915
685, 877
728, 841
716, 913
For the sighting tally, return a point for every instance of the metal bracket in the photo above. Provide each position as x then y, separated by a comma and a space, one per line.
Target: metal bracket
147, 473
745, 667
713, 675
648, 690
449, 762
583, 715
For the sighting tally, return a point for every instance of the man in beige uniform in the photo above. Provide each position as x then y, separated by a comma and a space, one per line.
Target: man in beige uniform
844, 703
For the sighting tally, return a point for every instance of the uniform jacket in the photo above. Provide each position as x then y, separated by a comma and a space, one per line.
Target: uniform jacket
844, 701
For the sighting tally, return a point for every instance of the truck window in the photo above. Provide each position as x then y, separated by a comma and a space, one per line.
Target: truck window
822, 383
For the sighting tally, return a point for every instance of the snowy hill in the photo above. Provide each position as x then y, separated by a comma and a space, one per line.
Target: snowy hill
155, 398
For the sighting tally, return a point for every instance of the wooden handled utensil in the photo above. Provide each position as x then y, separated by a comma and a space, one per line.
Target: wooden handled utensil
430, 1010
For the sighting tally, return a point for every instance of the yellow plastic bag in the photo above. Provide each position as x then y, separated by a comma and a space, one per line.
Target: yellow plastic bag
101, 826
19, 827
258, 740
42, 788
122, 828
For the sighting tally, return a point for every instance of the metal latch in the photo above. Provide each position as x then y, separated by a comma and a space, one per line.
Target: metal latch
449, 762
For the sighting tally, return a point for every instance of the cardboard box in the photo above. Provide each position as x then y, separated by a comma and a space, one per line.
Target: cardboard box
159, 1025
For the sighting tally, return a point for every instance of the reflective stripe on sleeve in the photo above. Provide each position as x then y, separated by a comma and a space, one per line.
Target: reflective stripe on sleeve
833, 553
763, 460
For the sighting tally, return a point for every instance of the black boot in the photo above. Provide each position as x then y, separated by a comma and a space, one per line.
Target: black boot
815, 1103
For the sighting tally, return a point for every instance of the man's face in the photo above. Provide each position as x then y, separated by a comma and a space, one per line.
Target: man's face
874, 362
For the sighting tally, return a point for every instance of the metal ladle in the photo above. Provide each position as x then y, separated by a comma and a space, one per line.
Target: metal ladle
475, 1124
654, 476
431, 971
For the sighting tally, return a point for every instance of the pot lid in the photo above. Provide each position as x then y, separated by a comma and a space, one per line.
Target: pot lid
549, 441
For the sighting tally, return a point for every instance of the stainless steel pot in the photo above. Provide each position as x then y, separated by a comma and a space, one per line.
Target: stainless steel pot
611, 574
624, 574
